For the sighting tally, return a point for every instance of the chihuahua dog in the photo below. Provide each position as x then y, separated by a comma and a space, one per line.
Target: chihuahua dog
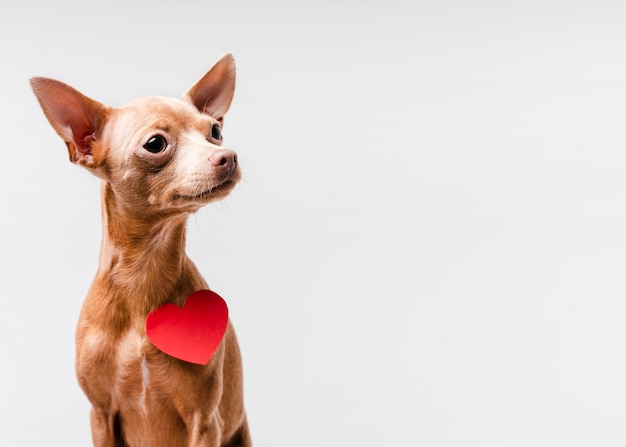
159, 159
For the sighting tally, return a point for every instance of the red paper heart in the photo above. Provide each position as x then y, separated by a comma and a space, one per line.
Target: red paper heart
192, 333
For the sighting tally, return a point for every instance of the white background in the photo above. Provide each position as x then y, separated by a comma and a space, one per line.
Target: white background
428, 247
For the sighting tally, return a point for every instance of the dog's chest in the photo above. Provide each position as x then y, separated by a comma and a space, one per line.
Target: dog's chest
133, 370
124, 373
130, 378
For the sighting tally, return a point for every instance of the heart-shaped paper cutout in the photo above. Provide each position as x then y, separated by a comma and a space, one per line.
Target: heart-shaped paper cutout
192, 333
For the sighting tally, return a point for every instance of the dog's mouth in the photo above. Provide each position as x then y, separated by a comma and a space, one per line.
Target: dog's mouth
209, 193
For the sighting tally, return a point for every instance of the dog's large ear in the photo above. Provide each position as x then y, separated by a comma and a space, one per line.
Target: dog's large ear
213, 93
75, 117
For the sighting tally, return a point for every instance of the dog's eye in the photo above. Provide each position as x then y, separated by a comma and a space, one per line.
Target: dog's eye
216, 132
156, 144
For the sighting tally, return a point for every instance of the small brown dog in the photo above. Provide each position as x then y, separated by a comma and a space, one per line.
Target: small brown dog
159, 159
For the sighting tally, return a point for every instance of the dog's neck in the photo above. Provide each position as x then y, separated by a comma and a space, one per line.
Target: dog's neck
143, 258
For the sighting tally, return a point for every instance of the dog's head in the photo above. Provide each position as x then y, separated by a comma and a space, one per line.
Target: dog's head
157, 154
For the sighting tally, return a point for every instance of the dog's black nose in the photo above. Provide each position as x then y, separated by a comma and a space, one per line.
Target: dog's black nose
224, 157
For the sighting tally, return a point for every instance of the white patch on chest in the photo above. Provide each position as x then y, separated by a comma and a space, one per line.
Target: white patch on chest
133, 373
145, 374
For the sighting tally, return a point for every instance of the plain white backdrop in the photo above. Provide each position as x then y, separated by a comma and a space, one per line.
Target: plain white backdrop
429, 245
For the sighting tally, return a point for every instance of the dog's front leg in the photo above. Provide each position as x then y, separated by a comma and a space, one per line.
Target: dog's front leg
105, 429
205, 432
